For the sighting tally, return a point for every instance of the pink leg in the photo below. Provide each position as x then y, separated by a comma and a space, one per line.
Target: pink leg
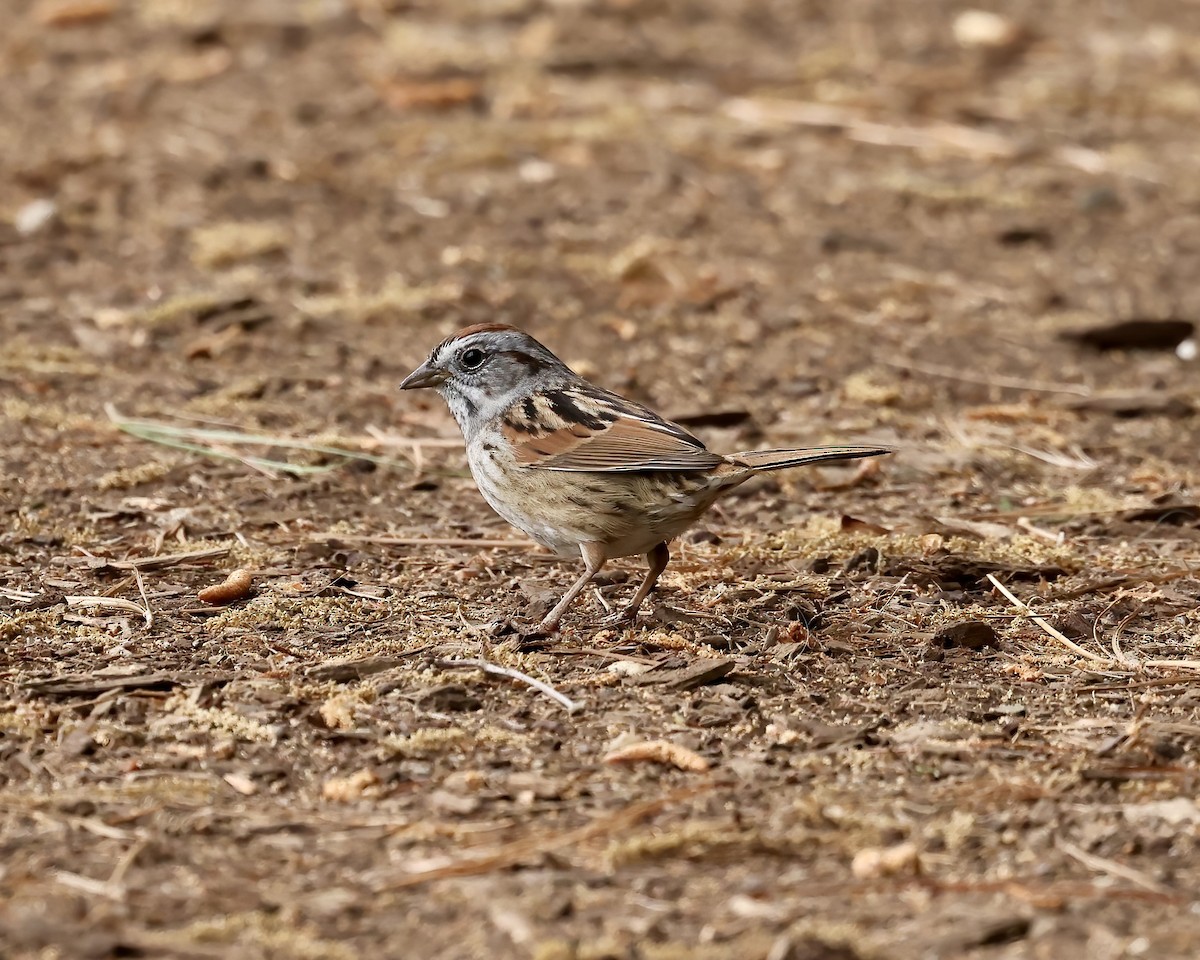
658, 558
593, 558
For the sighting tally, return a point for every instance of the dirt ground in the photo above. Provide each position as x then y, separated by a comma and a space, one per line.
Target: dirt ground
227, 230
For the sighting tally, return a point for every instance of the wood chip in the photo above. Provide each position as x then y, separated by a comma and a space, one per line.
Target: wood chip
442, 94
886, 862
236, 586
342, 670
352, 787
73, 13
83, 684
659, 751
688, 678
971, 634
241, 783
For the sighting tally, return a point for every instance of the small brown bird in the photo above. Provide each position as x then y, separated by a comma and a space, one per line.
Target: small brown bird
577, 468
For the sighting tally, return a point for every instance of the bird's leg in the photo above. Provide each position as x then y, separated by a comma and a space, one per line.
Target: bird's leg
593, 558
657, 559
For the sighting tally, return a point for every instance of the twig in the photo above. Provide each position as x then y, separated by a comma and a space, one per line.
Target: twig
1081, 461
854, 125
1116, 637
511, 854
1046, 626
117, 878
341, 670
145, 602
89, 885
1082, 651
570, 705
424, 541
86, 684
1008, 383
216, 443
1111, 867
384, 439
108, 603
937, 135
159, 562
1058, 539
600, 599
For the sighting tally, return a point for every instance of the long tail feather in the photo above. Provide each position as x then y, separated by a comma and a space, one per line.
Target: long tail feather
781, 459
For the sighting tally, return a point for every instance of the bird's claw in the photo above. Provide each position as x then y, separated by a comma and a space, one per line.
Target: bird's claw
621, 618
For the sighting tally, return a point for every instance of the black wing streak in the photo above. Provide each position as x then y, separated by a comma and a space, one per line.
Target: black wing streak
564, 406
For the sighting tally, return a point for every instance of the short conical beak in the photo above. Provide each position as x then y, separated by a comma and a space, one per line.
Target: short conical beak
423, 376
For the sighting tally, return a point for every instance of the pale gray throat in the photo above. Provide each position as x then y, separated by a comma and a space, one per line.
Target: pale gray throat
473, 406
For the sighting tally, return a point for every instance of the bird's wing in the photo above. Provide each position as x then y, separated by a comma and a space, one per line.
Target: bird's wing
587, 429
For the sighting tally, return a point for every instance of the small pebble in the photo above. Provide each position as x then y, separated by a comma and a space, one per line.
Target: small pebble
982, 28
35, 216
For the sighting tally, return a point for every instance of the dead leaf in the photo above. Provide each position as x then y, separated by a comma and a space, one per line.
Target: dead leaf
73, 13
1135, 404
1170, 512
421, 94
971, 634
865, 470
1134, 335
689, 677
971, 529
968, 572
349, 788
850, 523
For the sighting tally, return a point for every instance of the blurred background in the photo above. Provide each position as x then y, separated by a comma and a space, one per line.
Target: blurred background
826, 219
267, 211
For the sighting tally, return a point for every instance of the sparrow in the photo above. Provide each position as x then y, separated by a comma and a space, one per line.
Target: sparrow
579, 469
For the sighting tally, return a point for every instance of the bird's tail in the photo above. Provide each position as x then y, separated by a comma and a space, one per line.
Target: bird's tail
781, 459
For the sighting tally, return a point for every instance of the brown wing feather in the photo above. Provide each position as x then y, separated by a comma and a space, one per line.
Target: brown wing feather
574, 430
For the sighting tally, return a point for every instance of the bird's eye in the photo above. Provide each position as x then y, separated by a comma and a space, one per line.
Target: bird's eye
472, 358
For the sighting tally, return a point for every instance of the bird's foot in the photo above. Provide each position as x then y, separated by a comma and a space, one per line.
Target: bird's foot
621, 618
